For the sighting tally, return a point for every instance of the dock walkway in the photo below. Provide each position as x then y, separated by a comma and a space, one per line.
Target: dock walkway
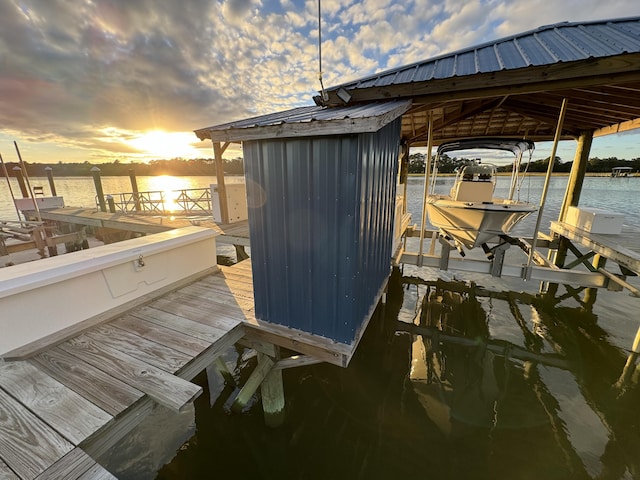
74, 400
71, 402
234, 233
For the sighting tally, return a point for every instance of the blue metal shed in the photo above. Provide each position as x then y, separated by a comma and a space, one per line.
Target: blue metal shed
321, 186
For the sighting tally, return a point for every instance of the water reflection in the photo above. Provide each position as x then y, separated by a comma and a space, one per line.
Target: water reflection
492, 384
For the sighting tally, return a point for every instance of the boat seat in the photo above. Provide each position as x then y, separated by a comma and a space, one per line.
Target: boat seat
466, 191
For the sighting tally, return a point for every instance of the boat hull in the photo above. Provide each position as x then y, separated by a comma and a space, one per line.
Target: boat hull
474, 223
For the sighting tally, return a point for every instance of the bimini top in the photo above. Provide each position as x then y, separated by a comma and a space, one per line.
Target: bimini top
513, 145
308, 121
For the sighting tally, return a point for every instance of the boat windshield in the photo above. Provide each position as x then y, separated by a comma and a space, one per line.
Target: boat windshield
477, 173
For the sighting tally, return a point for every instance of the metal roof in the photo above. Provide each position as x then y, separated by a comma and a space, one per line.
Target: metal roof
550, 44
309, 121
513, 87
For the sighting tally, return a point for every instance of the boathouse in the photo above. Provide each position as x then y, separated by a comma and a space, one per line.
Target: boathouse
321, 191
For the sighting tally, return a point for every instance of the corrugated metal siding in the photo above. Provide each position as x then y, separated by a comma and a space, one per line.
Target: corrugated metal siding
563, 42
321, 219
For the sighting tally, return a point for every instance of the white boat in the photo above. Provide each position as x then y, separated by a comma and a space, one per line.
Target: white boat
470, 215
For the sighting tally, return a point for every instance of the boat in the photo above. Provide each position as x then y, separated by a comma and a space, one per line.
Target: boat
470, 214
621, 171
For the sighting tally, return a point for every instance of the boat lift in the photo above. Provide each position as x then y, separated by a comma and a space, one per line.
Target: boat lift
549, 268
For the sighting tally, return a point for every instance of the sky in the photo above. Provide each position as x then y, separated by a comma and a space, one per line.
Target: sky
129, 80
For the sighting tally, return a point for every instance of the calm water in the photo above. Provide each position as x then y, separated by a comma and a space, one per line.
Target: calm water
413, 406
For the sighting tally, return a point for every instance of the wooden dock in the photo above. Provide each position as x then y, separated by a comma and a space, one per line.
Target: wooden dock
234, 233
75, 399
68, 403
622, 248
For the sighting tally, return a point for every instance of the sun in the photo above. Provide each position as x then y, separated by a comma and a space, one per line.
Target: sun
160, 144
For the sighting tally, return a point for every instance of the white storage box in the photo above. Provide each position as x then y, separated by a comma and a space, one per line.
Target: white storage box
236, 201
594, 220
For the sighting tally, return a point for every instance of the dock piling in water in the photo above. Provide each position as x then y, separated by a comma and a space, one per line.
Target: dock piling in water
52, 185
95, 172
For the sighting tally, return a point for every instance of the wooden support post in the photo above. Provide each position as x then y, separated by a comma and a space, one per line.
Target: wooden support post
23, 186
52, 185
134, 189
578, 171
265, 364
241, 253
222, 368
222, 190
574, 189
591, 294
272, 390
95, 172
112, 204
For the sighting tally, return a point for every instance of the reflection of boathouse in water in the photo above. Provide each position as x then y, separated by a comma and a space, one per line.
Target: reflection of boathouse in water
325, 225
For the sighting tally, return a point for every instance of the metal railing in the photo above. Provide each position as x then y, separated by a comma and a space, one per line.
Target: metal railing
176, 202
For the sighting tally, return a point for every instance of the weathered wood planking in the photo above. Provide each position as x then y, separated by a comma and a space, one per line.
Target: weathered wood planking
164, 388
202, 310
27, 444
171, 338
221, 294
107, 392
73, 416
180, 323
76, 465
6, 473
138, 347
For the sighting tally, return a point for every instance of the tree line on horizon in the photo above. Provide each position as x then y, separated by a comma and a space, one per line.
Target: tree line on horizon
175, 167
448, 164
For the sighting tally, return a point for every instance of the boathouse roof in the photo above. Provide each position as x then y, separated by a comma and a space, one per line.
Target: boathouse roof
514, 86
309, 121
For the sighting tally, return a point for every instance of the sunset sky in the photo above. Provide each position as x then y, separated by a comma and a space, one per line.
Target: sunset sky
130, 80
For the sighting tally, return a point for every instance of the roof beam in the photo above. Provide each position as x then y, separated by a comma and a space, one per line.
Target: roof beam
618, 128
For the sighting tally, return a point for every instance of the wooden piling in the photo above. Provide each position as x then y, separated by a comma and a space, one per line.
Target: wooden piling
134, 189
95, 172
23, 186
222, 190
112, 204
52, 185
272, 390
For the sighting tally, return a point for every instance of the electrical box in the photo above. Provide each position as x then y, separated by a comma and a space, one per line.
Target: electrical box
236, 202
594, 220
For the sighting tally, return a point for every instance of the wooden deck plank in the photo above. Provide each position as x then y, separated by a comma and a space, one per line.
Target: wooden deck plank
138, 347
200, 310
6, 473
220, 294
27, 445
70, 414
180, 323
107, 392
171, 338
75, 465
164, 388
232, 281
